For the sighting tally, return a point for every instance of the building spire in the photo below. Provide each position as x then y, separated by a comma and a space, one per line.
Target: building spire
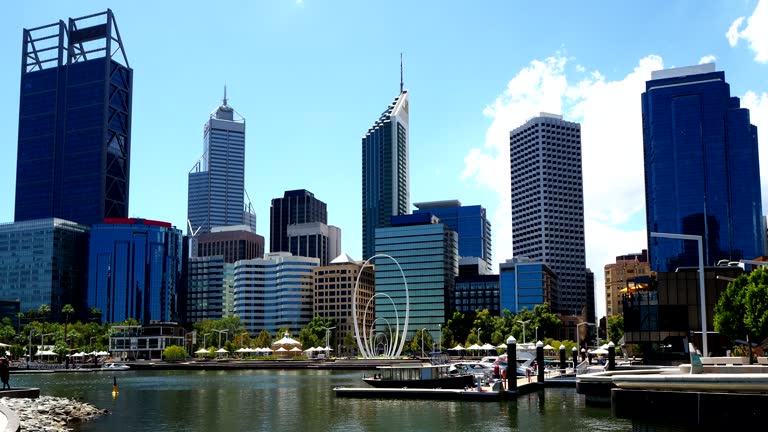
401, 72
225, 94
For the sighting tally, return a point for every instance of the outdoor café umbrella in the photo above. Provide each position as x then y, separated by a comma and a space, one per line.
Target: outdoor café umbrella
548, 347
599, 351
474, 347
502, 346
202, 351
457, 348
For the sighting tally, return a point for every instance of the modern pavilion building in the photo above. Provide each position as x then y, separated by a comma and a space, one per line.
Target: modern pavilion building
74, 142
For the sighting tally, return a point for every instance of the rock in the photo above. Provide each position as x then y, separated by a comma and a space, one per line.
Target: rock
51, 414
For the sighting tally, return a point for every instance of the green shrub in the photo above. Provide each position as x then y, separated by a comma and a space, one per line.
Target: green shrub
174, 353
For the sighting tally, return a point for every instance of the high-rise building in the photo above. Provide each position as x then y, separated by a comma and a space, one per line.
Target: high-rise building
41, 263
233, 243
477, 292
274, 292
385, 169
134, 270
469, 222
210, 288
316, 240
620, 279
702, 170
295, 207
525, 284
74, 144
334, 286
216, 194
548, 203
427, 251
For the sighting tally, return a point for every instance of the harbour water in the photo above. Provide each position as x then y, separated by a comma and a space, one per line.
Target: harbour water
291, 400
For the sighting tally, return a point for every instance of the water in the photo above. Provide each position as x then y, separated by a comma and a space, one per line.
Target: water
300, 400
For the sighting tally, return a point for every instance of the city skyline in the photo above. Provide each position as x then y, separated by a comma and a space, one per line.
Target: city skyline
490, 89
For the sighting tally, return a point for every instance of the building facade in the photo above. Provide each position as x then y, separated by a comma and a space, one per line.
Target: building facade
41, 263
295, 207
477, 292
427, 251
134, 270
702, 170
210, 288
385, 170
548, 203
469, 222
274, 292
74, 145
232, 243
525, 284
314, 239
620, 279
334, 286
216, 194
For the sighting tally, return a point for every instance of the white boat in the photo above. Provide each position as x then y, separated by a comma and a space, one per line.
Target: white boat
115, 367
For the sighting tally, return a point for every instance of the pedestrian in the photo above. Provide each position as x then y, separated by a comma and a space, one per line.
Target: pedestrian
5, 372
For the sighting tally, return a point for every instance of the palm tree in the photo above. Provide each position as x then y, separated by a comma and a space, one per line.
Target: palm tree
19, 316
66, 310
44, 310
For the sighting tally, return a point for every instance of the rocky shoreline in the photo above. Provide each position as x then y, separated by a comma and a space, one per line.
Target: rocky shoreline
51, 414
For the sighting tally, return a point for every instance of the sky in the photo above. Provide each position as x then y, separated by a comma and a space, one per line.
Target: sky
311, 76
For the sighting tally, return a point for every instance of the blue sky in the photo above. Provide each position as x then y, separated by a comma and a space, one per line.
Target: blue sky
311, 76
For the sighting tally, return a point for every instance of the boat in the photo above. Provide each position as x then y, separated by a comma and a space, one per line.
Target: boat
115, 367
419, 375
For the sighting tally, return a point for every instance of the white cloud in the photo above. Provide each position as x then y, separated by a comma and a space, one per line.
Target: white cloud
756, 31
612, 152
707, 59
758, 114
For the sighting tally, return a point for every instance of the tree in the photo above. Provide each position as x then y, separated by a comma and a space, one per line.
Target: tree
44, 310
615, 327
67, 310
742, 310
94, 314
417, 343
264, 339
174, 353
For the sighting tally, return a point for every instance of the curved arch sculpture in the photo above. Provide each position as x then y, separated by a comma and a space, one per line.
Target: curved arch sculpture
396, 346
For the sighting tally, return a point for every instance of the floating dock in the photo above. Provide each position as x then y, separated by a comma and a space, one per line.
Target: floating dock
415, 393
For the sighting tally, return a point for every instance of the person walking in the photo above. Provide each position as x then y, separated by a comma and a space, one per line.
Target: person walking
5, 373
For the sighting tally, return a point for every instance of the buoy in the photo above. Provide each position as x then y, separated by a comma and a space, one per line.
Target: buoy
114, 386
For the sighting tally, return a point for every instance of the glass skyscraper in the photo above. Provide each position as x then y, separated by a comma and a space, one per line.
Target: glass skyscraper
41, 263
548, 203
427, 250
525, 284
274, 292
295, 207
469, 222
702, 170
216, 193
385, 170
74, 144
134, 270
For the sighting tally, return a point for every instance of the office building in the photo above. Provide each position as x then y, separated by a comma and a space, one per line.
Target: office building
620, 279
274, 292
210, 288
469, 222
314, 239
232, 243
74, 146
216, 193
477, 292
427, 250
41, 263
334, 286
385, 169
134, 270
295, 207
548, 203
702, 170
524, 284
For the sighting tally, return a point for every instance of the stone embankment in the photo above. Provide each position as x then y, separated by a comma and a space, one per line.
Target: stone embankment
51, 414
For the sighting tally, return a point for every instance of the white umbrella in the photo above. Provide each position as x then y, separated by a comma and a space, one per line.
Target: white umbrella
296, 349
487, 346
102, 353
599, 351
604, 346
474, 347
281, 349
202, 351
548, 347
221, 351
327, 349
502, 346
457, 348
310, 349
4, 345
241, 350
287, 341
266, 350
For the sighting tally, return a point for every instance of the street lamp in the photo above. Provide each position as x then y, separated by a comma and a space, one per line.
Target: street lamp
220, 332
327, 348
701, 281
524, 323
478, 335
440, 338
242, 339
422, 342
537, 333
90, 341
204, 336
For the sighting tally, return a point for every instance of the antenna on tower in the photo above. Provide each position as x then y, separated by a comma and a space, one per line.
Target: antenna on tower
225, 94
401, 72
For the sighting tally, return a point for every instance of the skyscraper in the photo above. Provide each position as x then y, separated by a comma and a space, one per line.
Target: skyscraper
295, 207
385, 169
74, 144
469, 222
702, 170
216, 194
548, 203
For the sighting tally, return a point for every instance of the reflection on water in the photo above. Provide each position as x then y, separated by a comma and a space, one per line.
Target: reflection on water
274, 400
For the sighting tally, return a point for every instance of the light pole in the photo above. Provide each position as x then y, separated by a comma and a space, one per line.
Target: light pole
327, 331
90, 341
702, 291
537, 333
524, 323
29, 358
242, 339
422, 342
478, 335
440, 338
220, 332
204, 336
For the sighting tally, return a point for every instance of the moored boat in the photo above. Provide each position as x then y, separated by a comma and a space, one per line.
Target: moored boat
420, 375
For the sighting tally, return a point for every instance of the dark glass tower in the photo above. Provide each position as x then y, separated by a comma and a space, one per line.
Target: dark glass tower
385, 170
702, 172
74, 143
295, 207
